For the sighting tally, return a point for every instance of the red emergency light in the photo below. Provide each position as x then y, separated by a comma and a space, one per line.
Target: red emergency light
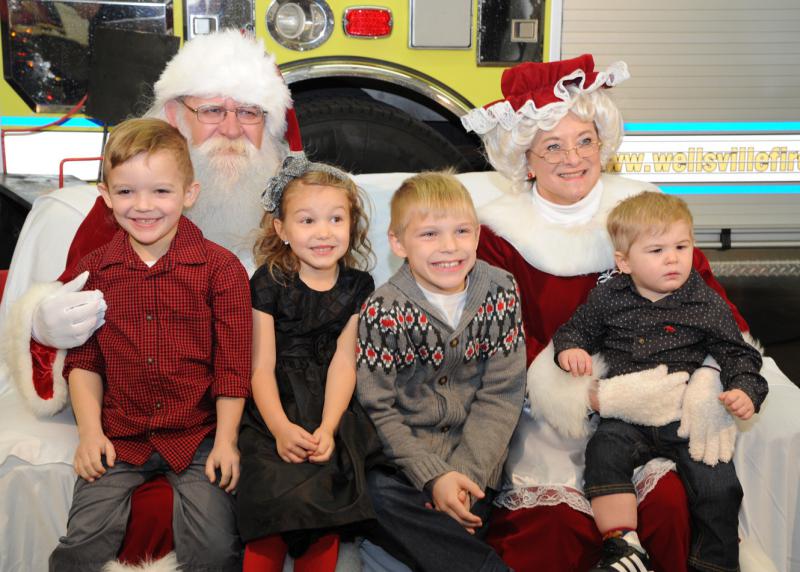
367, 22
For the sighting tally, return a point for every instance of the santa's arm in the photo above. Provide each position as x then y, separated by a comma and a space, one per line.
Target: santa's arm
651, 397
63, 316
557, 397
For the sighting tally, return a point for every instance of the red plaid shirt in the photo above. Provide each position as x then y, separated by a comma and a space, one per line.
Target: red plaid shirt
177, 336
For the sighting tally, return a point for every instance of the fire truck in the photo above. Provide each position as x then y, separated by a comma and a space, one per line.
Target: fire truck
377, 88
711, 108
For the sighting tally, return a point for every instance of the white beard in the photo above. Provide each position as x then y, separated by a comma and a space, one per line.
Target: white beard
232, 176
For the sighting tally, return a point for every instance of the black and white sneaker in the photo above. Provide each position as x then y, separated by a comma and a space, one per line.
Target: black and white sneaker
619, 556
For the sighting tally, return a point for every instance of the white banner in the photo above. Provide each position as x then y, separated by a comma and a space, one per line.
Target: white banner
710, 158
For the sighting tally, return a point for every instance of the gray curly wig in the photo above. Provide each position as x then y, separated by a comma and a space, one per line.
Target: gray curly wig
506, 149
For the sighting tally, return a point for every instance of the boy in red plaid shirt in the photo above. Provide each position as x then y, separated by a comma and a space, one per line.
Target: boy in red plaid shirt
161, 387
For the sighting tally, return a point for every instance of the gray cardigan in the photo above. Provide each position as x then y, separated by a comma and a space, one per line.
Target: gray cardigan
443, 399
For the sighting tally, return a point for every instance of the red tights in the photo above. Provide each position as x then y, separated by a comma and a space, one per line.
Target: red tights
267, 555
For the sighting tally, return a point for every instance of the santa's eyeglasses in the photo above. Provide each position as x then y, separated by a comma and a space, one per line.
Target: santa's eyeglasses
212, 113
555, 155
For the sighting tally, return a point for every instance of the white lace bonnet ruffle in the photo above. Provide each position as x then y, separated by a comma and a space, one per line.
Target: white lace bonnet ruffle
482, 120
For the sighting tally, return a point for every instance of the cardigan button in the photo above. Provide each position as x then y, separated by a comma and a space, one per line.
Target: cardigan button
446, 428
641, 341
453, 342
442, 380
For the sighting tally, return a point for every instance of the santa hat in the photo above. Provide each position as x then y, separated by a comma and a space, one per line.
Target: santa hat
221, 64
234, 65
539, 91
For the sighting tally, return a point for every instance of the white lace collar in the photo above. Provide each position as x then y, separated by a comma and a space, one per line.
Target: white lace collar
569, 215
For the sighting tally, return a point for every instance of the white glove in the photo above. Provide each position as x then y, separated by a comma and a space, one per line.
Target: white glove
707, 424
651, 397
68, 317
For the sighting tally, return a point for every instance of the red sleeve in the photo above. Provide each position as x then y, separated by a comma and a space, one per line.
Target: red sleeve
96, 230
43, 359
547, 300
232, 321
87, 356
495, 251
702, 266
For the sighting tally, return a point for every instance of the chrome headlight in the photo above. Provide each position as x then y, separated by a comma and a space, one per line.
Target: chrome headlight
299, 24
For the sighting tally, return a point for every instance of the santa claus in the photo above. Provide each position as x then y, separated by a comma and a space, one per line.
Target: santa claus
201, 91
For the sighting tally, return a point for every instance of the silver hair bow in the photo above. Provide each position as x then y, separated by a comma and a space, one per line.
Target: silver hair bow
295, 165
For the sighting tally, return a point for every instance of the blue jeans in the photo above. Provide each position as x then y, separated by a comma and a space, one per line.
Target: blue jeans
424, 538
203, 521
715, 494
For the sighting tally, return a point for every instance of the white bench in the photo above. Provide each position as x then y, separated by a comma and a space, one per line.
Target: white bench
36, 476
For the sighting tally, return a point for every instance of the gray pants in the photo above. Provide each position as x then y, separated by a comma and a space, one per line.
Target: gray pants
203, 521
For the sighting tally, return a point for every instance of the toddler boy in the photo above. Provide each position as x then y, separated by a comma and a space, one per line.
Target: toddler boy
659, 311
441, 372
160, 388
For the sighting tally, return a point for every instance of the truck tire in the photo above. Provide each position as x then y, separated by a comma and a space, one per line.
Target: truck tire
362, 135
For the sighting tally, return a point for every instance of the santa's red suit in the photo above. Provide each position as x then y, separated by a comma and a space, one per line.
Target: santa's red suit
545, 522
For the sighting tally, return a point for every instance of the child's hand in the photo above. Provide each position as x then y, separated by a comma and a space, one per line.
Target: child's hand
324, 450
738, 403
87, 461
294, 443
576, 361
452, 493
225, 457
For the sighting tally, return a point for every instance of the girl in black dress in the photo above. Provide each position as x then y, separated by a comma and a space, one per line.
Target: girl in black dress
304, 438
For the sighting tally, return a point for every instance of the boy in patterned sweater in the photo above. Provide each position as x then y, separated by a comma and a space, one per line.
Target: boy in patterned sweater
659, 313
441, 372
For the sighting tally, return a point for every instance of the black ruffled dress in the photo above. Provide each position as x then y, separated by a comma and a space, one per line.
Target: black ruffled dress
305, 501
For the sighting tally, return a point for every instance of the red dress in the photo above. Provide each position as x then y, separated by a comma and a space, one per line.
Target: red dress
555, 267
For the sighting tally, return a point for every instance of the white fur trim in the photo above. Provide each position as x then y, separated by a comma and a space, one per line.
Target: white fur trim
753, 342
560, 250
482, 120
17, 354
167, 564
558, 398
231, 65
710, 428
651, 397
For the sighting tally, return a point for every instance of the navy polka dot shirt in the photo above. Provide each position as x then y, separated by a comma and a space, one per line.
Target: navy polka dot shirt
680, 330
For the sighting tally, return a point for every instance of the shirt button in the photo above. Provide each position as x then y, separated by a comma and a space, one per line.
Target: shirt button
158, 405
453, 342
442, 380
149, 317
446, 428
641, 341
150, 361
